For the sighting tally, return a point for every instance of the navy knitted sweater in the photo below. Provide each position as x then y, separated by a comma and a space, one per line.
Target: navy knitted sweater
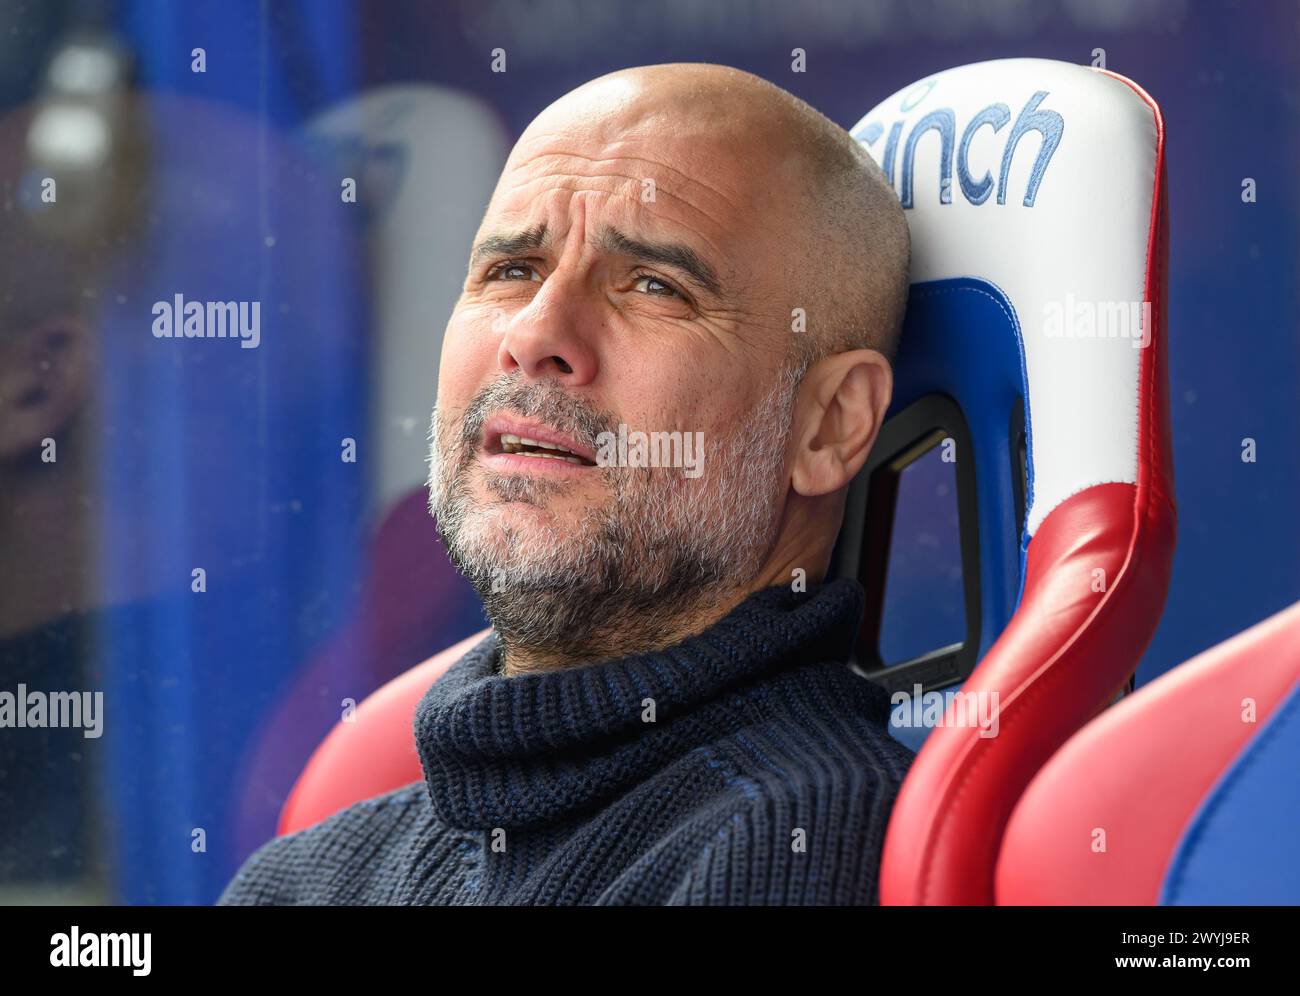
744, 765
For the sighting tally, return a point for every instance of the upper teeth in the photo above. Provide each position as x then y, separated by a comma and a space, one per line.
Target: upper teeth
514, 444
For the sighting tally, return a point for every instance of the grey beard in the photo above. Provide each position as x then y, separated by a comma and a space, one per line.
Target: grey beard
663, 548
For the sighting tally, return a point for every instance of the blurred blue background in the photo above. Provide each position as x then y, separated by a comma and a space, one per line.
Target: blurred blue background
324, 577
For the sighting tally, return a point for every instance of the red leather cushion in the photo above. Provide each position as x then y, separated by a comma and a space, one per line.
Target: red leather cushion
1139, 772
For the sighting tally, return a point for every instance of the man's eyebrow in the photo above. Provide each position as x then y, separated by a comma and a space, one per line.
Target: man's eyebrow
673, 254
511, 244
681, 257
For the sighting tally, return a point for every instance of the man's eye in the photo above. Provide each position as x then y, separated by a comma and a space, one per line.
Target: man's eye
668, 290
512, 267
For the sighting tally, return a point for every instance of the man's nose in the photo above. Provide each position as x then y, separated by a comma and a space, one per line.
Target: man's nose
549, 337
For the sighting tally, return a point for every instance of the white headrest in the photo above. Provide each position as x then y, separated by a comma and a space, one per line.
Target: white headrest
1039, 177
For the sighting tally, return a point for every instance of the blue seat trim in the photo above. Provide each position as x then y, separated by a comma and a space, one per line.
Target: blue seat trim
961, 337
1240, 846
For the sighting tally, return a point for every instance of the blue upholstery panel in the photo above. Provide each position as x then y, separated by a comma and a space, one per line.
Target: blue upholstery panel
961, 337
1240, 847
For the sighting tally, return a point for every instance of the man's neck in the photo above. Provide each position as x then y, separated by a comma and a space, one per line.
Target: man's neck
623, 637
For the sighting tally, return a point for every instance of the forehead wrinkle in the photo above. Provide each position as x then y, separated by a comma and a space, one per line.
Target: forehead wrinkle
713, 248
699, 219
534, 164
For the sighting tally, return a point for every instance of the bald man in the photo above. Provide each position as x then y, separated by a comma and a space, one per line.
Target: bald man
668, 362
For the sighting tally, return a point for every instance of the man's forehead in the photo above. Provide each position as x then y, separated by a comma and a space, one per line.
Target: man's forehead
698, 168
663, 186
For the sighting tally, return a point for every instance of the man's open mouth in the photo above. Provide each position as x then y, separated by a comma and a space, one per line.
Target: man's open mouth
546, 451
507, 436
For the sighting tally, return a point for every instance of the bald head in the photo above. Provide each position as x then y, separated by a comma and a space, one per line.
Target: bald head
848, 255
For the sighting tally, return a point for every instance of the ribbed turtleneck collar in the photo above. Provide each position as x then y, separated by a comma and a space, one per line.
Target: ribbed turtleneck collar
503, 751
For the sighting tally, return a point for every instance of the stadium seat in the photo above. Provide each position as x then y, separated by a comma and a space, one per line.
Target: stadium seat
1034, 340
1185, 793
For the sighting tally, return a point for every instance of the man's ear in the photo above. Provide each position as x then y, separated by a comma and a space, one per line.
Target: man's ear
840, 406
